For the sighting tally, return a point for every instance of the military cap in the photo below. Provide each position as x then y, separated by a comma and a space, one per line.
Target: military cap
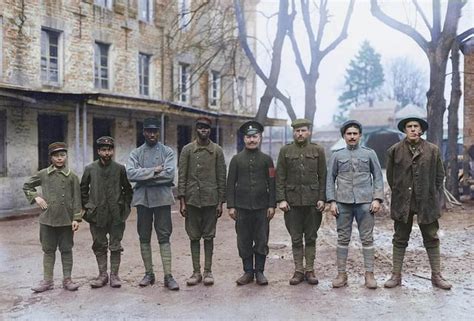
251, 127
57, 147
350, 123
423, 123
151, 123
203, 120
300, 122
105, 141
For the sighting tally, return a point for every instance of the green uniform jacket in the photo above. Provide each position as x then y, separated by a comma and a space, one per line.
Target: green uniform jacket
202, 174
301, 174
106, 193
421, 173
251, 181
60, 190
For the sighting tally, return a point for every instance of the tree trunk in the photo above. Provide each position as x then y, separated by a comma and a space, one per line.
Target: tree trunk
453, 130
310, 100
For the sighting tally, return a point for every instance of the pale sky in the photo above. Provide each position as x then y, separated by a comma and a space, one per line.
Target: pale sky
386, 41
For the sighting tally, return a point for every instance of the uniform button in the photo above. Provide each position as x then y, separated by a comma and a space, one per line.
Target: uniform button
409, 188
63, 195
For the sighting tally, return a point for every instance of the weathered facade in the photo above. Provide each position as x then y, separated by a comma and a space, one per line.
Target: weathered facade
75, 70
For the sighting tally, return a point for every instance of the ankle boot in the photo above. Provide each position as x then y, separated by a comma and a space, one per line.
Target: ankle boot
394, 281
115, 281
370, 282
43, 286
100, 281
69, 285
438, 281
340, 280
194, 279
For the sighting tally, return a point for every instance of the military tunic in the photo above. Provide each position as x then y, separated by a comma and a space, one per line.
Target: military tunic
251, 191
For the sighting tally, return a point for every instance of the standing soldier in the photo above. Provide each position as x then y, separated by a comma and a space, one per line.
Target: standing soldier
61, 213
152, 167
251, 202
355, 190
201, 192
301, 193
106, 196
415, 174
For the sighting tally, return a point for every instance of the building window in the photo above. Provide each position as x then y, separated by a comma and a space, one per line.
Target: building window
183, 83
3, 143
215, 89
184, 13
145, 9
104, 3
144, 73
1, 47
51, 128
50, 56
241, 92
101, 65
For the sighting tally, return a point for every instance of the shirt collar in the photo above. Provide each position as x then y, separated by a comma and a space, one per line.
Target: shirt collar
349, 147
65, 171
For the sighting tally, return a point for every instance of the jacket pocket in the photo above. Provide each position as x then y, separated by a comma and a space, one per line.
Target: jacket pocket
363, 165
311, 162
91, 213
343, 165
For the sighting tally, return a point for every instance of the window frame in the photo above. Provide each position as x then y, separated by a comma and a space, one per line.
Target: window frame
184, 81
46, 57
144, 73
98, 67
214, 88
149, 10
104, 3
184, 14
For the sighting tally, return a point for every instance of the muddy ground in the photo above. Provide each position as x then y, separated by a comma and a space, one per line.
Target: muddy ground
21, 267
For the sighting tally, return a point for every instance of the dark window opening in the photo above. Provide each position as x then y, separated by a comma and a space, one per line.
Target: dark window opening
50, 129
184, 137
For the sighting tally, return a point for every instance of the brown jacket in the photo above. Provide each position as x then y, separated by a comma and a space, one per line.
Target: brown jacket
421, 173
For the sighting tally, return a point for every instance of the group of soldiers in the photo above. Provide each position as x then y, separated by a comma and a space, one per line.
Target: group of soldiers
301, 185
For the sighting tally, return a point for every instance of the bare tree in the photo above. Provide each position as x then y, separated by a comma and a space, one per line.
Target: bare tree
436, 49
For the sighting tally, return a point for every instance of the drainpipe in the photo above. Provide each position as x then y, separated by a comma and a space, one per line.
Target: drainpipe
84, 134
217, 132
77, 139
162, 132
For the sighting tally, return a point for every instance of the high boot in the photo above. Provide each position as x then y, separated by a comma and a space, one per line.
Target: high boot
115, 281
298, 276
170, 282
259, 268
396, 278
149, 278
196, 277
103, 277
435, 262
208, 278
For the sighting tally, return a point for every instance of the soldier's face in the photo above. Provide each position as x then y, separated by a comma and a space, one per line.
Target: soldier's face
203, 132
58, 159
352, 136
106, 153
151, 135
301, 134
413, 131
252, 141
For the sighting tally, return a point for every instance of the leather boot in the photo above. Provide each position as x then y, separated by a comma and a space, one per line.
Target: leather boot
261, 279
115, 281
69, 285
438, 281
297, 278
311, 278
43, 286
100, 281
148, 279
194, 279
340, 280
208, 279
394, 281
246, 278
171, 283
370, 282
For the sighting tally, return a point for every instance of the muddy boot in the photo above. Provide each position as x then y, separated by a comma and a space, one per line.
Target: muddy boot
246, 278
311, 278
43, 286
147, 280
115, 281
370, 282
438, 281
340, 280
208, 279
297, 278
100, 281
69, 285
394, 281
171, 283
194, 279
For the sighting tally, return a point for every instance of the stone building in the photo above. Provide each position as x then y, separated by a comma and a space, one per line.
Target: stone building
75, 70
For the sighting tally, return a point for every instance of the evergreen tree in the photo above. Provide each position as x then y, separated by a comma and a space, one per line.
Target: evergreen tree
364, 80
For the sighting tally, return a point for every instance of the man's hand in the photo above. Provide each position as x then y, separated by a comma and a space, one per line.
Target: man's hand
158, 169
41, 202
284, 206
219, 210
333, 208
270, 213
375, 206
320, 205
182, 207
75, 226
233, 213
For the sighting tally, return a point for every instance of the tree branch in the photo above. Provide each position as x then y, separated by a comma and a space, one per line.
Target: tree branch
422, 14
343, 34
464, 35
294, 44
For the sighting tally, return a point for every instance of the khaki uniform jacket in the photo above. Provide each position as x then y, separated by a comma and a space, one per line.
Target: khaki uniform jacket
251, 181
421, 173
301, 174
202, 174
60, 190
106, 193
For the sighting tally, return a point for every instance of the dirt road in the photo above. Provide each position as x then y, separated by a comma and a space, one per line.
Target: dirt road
21, 267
